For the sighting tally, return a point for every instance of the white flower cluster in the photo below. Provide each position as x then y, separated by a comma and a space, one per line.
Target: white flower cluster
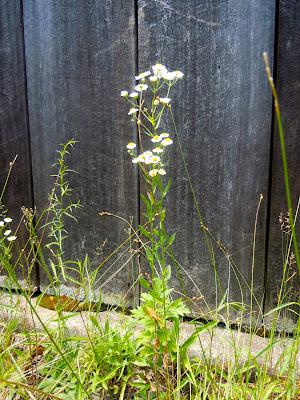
159, 72
163, 138
159, 77
7, 232
150, 157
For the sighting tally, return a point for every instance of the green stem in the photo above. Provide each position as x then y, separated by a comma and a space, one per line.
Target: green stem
284, 160
287, 183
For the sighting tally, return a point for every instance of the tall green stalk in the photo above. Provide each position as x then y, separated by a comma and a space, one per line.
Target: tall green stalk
284, 160
149, 103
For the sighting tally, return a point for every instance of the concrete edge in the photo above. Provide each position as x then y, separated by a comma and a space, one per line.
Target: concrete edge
219, 345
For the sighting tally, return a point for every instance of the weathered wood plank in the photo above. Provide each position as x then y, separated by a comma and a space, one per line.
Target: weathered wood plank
288, 84
14, 134
80, 54
223, 114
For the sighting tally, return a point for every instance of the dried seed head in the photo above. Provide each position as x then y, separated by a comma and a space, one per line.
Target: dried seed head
284, 221
27, 212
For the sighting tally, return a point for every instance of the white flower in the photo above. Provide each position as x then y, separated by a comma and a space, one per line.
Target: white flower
167, 142
164, 135
134, 95
156, 139
143, 75
141, 158
146, 157
156, 102
157, 150
8, 232
133, 111
169, 76
178, 74
154, 159
124, 93
153, 78
159, 70
141, 87
1, 223
153, 172
131, 146
165, 100
11, 238
7, 220
161, 171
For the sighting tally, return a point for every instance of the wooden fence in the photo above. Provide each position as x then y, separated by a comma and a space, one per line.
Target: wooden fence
63, 64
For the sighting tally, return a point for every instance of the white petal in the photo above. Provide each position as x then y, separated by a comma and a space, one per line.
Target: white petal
133, 111
131, 146
11, 238
167, 142
141, 87
161, 171
165, 100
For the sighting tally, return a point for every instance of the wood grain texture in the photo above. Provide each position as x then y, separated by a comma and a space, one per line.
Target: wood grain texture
223, 114
14, 134
80, 54
288, 84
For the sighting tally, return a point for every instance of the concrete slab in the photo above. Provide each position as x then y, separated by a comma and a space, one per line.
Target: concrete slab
221, 345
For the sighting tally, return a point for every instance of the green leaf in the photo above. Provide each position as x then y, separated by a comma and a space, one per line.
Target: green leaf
167, 272
144, 283
79, 392
171, 239
151, 197
144, 232
96, 323
69, 396
145, 200
194, 336
166, 189
149, 253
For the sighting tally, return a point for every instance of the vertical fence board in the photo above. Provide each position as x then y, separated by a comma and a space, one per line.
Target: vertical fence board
223, 113
80, 54
288, 84
14, 135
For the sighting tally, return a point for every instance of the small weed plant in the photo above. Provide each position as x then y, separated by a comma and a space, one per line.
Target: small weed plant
143, 355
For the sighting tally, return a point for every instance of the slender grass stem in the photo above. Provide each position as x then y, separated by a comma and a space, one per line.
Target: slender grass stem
284, 159
11, 164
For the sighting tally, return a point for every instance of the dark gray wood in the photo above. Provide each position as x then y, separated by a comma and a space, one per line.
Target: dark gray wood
288, 84
223, 114
80, 55
14, 134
